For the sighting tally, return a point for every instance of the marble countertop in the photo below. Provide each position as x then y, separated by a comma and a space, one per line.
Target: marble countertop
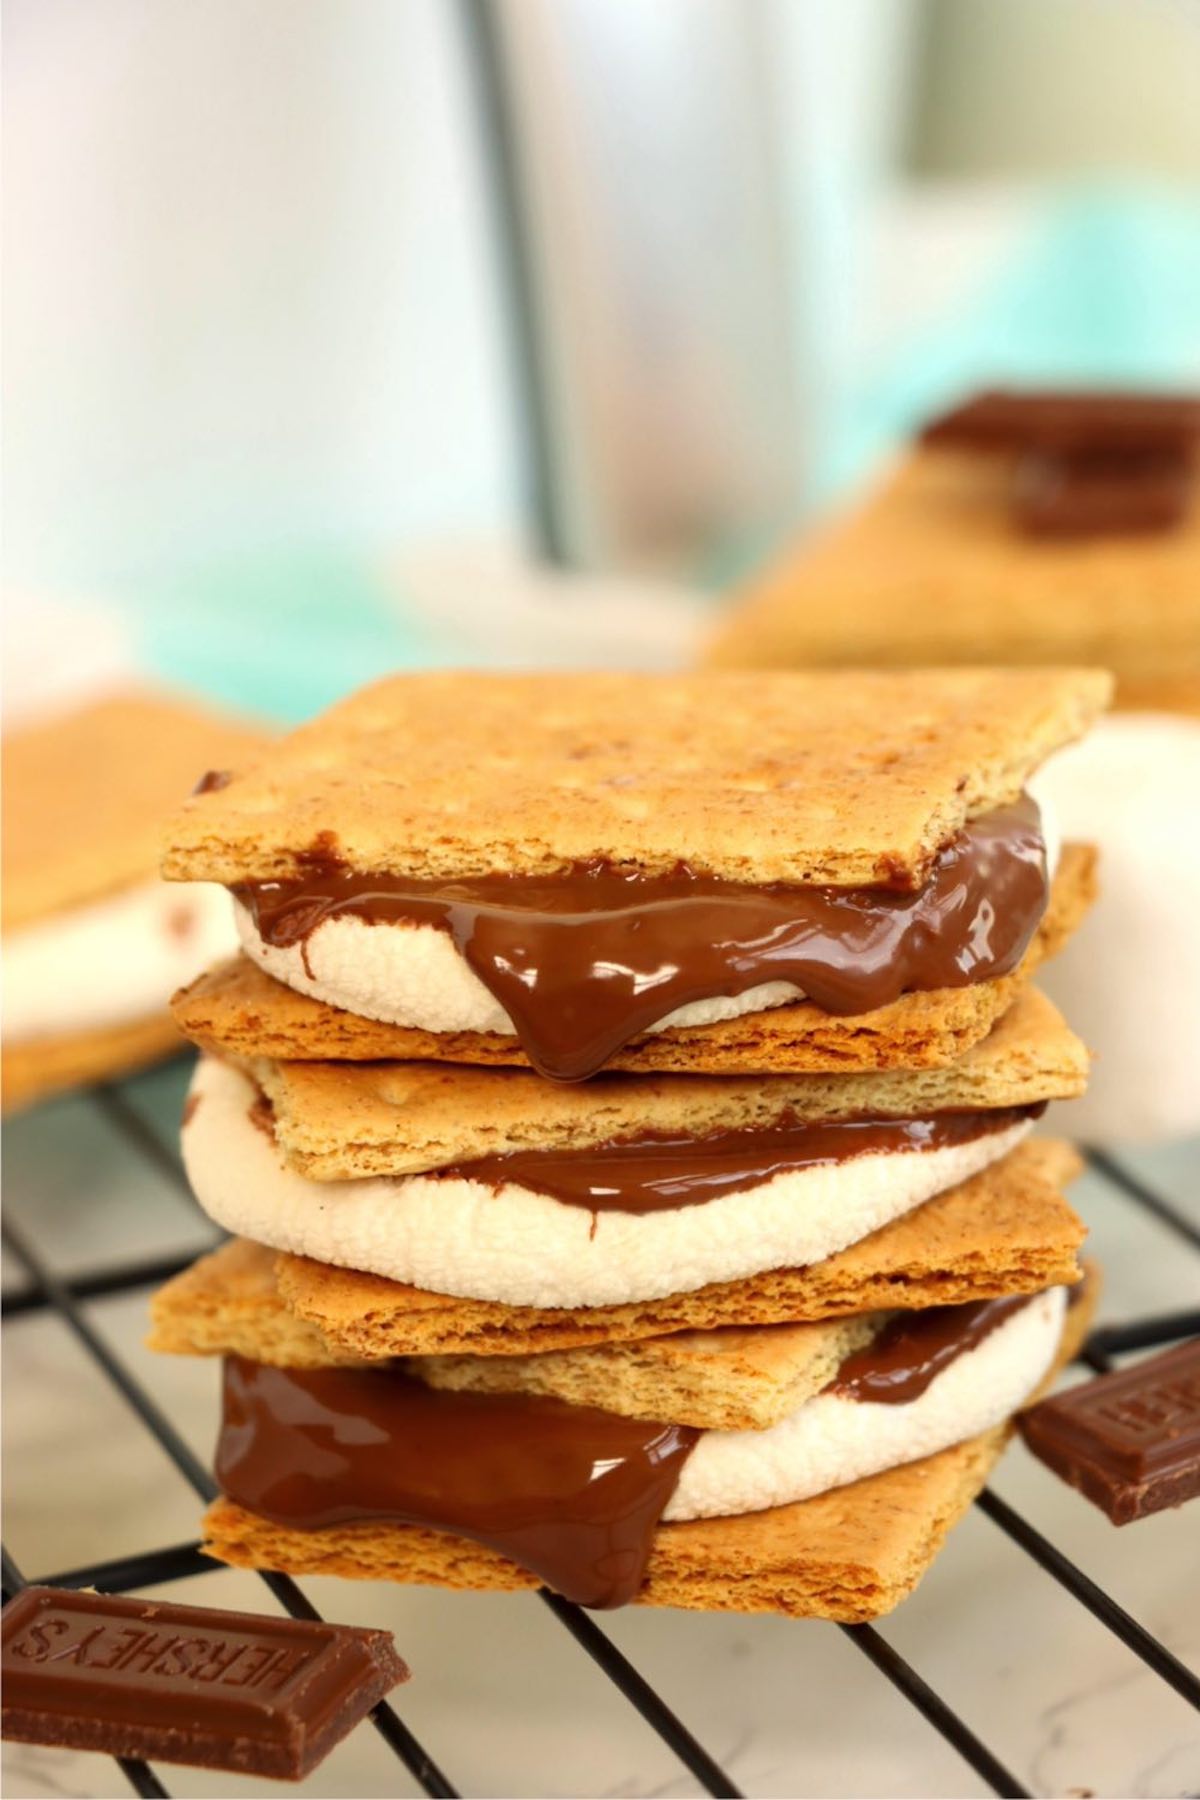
502, 1697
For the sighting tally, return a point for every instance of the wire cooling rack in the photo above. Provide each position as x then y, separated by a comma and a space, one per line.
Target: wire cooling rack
41, 1290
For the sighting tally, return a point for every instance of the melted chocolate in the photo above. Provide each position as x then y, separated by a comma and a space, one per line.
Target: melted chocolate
1068, 420
212, 781
656, 1172
585, 961
913, 1349
569, 1492
1088, 464
1088, 493
261, 1114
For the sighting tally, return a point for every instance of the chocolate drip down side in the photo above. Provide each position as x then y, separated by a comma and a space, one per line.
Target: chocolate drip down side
913, 1349
571, 1493
657, 1172
585, 961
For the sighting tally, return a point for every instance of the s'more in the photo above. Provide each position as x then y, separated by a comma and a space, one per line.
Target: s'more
94, 942
1028, 525
623, 1112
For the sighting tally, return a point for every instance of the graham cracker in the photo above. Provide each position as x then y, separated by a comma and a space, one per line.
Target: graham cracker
35, 1069
236, 1010
734, 1379
931, 569
1007, 1230
851, 1554
343, 1121
847, 779
86, 793
737, 1380
229, 1302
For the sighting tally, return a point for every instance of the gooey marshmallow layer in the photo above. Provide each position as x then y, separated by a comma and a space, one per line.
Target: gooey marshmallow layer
511, 1244
413, 974
832, 1440
114, 961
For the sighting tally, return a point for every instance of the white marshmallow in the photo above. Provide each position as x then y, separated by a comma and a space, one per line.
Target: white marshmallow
1129, 980
523, 1248
114, 961
831, 1440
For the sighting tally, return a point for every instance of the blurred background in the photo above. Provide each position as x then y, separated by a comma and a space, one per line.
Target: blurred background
352, 334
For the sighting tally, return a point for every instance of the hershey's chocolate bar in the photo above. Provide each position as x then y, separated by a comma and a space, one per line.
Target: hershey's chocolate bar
1129, 1441
187, 1684
1068, 420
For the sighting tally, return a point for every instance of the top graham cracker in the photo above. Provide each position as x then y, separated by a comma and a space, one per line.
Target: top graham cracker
848, 779
86, 794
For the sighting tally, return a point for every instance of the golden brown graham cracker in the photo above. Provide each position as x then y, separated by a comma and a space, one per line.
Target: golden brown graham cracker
850, 1554
40, 1067
1008, 1229
738, 1380
238, 1011
229, 1302
86, 794
930, 569
343, 1121
847, 779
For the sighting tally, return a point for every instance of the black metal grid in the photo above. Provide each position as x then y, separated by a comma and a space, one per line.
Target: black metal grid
68, 1299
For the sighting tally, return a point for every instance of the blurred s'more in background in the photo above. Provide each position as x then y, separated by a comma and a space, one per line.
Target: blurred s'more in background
94, 944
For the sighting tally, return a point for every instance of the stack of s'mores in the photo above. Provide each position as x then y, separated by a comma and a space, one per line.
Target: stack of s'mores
623, 1107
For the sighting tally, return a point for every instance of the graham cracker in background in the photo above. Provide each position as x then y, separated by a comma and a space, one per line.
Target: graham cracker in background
87, 792
930, 570
1007, 1230
39, 1067
850, 780
239, 1011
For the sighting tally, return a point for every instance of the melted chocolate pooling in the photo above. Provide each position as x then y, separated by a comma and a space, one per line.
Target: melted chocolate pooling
583, 962
569, 1492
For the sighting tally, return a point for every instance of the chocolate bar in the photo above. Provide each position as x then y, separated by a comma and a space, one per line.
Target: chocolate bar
1129, 1441
187, 1684
1068, 420
1088, 493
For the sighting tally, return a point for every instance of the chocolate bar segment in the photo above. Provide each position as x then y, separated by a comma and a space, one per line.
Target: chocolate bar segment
1068, 420
1129, 1441
187, 1684
1094, 492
